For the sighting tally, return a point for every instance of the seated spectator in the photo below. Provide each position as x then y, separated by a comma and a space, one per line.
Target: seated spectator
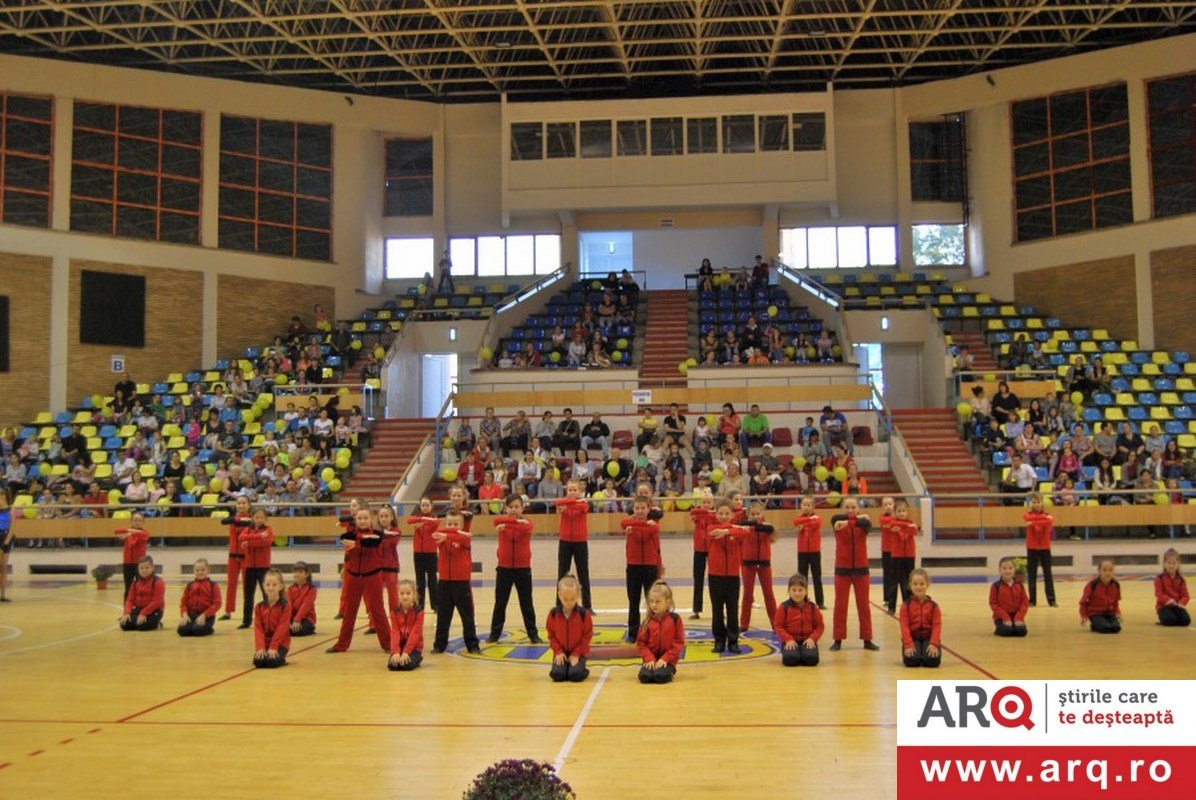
137, 490
545, 430
531, 356
469, 473
1054, 422
765, 483
752, 335
708, 344
622, 468
528, 475
606, 307
1155, 440
825, 347
760, 273
647, 426
576, 353
489, 491
596, 433
1005, 404
964, 360
1173, 460
1021, 478
754, 429
74, 447
124, 469
654, 453
583, 470
733, 481
706, 276
768, 459
728, 425
566, 438
1128, 441
1068, 463
598, 358
517, 433
833, 426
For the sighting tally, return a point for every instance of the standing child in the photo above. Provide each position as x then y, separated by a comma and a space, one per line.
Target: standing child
757, 562
921, 623
388, 523
6, 537
134, 539
514, 569
455, 560
573, 546
423, 552
200, 604
809, 547
904, 555
725, 562
301, 597
703, 518
346, 523
146, 600
271, 624
1171, 593
662, 638
570, 629
643, 560
798, 624
851, 571
1040, 527
1100, 605
256, 542
406, 630
459, 502
888, 582
238, 522
363, 579
1007, 599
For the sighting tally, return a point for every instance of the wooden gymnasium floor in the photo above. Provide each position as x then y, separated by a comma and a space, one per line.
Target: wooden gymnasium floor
89, 711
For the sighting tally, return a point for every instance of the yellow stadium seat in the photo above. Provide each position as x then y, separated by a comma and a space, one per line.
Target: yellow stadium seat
103, 471
209, 498
122, 513
1140, 385
1113, 371
406, 302
187, 400
126, 431
910, 301
95, 443
872, 302
358, 327
1114, 414
1117, 472
868, 277
1160, 413
937, 276
174, 377
1058, 386
1186, 440
1061, 336
81, 417
474, 301
59, 469
47, 432
252, 428
88, 430
1129, 346
396, 326
1125, 399
1034, 323
374, 383
1184, 385
1151, 369
258, 441
1117, 359
937, 313
184, 454
1192, 426
44, 418
1007, 311
970, 311
851, 291
211, 375
1160, 357
99, 457
1169, 399
147, 470
1100, 335
440, 302
921, 289
1190, 368
171, 429
1004, 351
887, 291
384, 314
244, 364
1089, 347
178, 388
1050, 347
983, 299
996, 325
902, 277
946, 299
143, 388
176, 442
501, 288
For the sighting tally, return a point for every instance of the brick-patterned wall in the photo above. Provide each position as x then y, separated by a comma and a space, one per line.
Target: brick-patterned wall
1097, 294
1173, 284
25, 388
173, 331
250, 311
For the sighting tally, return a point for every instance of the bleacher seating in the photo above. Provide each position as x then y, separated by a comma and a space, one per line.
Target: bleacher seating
726, 308
566, 310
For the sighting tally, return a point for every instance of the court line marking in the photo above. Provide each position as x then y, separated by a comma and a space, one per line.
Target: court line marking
15, 632
575, 731
943, 647
462, 725
57, 642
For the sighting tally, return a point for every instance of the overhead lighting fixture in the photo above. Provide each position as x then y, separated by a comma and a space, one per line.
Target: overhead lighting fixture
817, 32
502, 45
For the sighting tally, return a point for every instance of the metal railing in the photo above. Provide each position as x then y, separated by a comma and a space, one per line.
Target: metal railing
443, 416
816, 289
415, 461
371, 399
533, 288
641, 276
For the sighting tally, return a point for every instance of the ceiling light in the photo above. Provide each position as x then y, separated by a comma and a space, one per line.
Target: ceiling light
502, 45
817, 31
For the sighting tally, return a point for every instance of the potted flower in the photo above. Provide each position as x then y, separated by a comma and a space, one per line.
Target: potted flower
1019, 569
519, 778
102, 573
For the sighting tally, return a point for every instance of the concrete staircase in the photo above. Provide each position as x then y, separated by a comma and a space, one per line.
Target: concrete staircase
666, 338
984, 359
395, 443
944, 460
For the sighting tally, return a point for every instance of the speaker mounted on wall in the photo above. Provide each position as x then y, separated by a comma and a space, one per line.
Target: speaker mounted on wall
111, 309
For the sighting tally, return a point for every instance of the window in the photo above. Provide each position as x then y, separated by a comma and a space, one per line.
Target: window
562, 139
409, 258
518, 254
25, 143
936, 162
409, 177
701, 135
135, 172
939, 245
739, 133
845, 247
633, 137
463, 256
1171, 106
774, 133
276, 187
666, 136
1071, 164
527, 141
595, 138
809, 131
492, 256
548, 253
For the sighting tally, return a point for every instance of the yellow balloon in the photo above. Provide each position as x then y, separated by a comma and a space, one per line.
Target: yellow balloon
964, 409
772, 311
799, 462
840, 474
821, 474
716, 476
485, 354
334, 485
355, 344
834, 498
683, 367
1077, 398
612, 469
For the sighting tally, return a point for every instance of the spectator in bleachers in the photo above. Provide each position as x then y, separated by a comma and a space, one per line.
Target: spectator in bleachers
490, 427
567, 436
1005, 404
754, 429
576, 354
1054, 423
833, 427
583, 471
1173, 460
765, 483
465, 439
629, 287
596, 433
527, 476
728, 426
1155, 440
444, 273
825, 346
752, 334
598, 357
647, 426
1128, 441
760, 276
530, 356
125, 387
733, 482
731, 348
74, 447
517, 433
469, 473
964, 360
709, 345
1068, 463
544, 431
706, 276
623, 469
1021, 479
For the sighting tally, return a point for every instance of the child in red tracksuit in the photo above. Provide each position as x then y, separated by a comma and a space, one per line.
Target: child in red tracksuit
756, 550
406, 630
570, 629
662, 638
455, 560
851, 571
240, 521
574, 543
256, 542
888, 581
809, 547
726, 540
423, 552
643, 560
514, 569
271, 624
798, 624
200, 603
134, 540
363, 576
1007, 599
904, 553
346, 522
703, 518
1171, 593
146, 600
1040, 527
1100, 605
921, 624
389, 549
301, 597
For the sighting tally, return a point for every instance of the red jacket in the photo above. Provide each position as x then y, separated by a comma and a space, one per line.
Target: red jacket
514, 542
366, 558
237, 526
703, 519
201, 597
643, 541
570, 635
406, 630
920, 619
886, 533
725, 557
302, 600
905, 545
1101, 598
135, 542
147, 595
757, 546
574, 527
809, 533
272, 625
1008, 601
422, 533
256, 543
389, 549
1039, 528
795, 622
662, 637
1168, 588
851, 545
456, 556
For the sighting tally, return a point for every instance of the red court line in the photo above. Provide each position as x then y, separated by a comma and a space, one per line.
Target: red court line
37, 752
478, 725
944, 647
5, 764
67, 741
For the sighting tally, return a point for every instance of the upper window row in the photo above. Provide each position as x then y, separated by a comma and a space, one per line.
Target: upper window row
668, 136
483, 256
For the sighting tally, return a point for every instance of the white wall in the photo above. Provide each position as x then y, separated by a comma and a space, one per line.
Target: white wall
668, 255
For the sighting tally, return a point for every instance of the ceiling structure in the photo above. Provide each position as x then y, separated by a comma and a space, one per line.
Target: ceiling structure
477, 50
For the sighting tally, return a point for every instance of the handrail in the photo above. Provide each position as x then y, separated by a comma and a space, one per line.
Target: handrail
581, 276
823, 293
441, 426
523, 293
415, 461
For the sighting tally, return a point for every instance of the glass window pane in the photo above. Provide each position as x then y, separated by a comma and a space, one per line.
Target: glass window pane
774, 133
521, 255
853, 247
492, 256
462, 255
793, 247
409, 257
548, 253
823, 245
562, 139
666, 136
702, 135
633, 137
809, 131
739, 133
938, 245
527, 141
882, 247
595, 138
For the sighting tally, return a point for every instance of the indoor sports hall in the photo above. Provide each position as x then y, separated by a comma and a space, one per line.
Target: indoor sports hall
388, 390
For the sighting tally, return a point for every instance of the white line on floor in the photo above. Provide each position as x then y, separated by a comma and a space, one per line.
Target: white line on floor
58, 642
575, 731
15, 632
